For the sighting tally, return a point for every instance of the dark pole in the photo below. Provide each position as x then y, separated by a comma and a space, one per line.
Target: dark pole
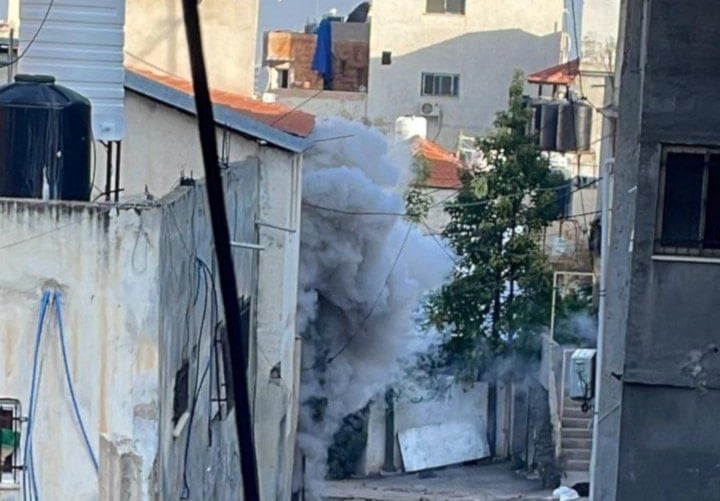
108, 170
221, 236
389, 430
118, 146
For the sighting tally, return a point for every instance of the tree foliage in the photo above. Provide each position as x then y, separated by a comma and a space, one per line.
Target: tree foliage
501, 288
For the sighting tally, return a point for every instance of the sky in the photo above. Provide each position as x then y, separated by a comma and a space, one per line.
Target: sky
292, 14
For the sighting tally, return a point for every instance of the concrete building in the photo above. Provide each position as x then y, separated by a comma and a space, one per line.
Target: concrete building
155, 40
141, 320
658, 378
456, 58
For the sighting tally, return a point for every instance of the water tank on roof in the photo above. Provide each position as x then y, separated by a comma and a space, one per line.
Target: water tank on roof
45, 140
574, 126
548, 124
410, 126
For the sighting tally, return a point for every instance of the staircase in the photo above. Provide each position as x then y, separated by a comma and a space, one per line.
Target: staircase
576, 438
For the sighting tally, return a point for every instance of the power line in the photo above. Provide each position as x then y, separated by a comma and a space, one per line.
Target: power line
370, 312
32, 40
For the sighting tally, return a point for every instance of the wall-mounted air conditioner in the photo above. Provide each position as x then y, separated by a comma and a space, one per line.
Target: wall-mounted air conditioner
428, 109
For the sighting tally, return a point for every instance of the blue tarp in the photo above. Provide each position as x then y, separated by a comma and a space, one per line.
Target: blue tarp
323, 58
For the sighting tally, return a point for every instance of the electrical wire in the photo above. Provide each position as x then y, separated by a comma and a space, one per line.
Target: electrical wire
32, 40
370, 312
68, 378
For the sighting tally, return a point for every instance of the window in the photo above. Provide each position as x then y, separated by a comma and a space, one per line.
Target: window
439, 84
689, 208
181, 394
9, 441
223, 397
445, 7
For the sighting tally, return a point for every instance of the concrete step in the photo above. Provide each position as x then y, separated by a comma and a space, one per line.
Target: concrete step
576, 454
577, 465
577, 413
576, 443
580, 423
576, 433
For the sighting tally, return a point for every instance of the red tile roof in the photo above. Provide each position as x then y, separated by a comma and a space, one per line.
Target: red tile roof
277, 115
561, 74
444, 166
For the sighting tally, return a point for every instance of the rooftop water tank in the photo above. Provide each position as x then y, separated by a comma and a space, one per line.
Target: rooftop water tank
410, 126
548, 120
45, 140
574, 126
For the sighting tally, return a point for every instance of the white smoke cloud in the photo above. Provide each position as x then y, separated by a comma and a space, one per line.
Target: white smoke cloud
362, 276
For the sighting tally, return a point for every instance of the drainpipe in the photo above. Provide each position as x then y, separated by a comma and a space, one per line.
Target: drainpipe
605, 174
389, 465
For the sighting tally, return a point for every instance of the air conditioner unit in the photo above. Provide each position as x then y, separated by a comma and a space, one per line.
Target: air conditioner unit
429, 109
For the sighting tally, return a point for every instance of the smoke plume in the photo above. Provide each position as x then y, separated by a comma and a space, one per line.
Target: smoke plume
363, 273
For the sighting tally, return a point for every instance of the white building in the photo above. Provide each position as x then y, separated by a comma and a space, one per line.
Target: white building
141, 326
453, 60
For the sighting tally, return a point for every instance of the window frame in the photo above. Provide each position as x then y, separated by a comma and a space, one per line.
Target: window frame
12, 478
445, 10
454, 83
677, 250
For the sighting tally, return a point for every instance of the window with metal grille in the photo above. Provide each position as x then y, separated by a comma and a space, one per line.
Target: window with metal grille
445, 7
10, 423
223, 394
688, 220
440, 84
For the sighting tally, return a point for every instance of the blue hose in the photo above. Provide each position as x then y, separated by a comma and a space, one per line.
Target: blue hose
32, 405
68, 378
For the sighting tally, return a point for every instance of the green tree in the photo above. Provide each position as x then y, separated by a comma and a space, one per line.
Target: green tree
501, 288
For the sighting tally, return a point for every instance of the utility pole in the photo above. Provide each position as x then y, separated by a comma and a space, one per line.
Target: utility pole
221, 237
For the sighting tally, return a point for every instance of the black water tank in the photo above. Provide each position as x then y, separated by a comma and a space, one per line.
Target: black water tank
45, 135
574, 126
547, 134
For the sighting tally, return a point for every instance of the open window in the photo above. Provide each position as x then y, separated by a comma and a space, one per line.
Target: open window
10, 424
688, 220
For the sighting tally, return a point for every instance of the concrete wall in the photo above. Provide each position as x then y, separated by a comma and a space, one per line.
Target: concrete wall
161, 143
104, 262
485, 46
135, 308
155, 40
457, 403
325, 104
660, 313
188, 321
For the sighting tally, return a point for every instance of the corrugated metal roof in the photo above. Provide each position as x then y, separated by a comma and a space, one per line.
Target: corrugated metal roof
80, 43
277, 125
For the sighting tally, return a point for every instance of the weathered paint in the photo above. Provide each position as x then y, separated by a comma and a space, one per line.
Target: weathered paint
104, 263
133, 309
655, 438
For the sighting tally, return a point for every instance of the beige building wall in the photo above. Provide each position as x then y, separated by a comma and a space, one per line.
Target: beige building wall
155, 40
484, 46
